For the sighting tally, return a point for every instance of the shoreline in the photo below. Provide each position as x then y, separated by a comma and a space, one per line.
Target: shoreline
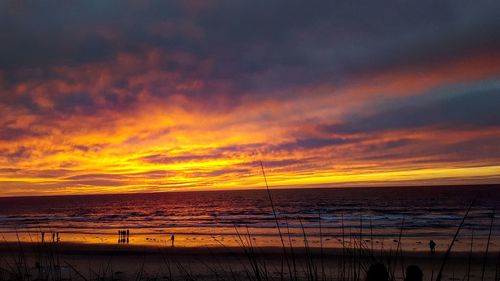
262, 189
266, 243
69, 248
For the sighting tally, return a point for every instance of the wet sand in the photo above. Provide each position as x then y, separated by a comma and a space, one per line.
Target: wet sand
266, 240
127, 262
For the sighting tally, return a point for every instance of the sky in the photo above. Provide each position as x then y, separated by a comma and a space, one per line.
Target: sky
146, 96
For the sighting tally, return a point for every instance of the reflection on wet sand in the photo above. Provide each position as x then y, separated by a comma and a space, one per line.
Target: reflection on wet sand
164, 240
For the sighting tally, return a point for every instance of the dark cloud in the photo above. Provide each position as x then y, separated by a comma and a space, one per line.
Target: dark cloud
155, 174
165, 159
41, 34
223, 172
74, 102
97, 177
90, 148
9, 170
315, 143
16, 154
453, 107
256, 46
388, 145
98, 183
15, 134
273, 163
426, 151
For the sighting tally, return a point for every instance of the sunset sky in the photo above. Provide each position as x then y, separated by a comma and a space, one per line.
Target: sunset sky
143, 96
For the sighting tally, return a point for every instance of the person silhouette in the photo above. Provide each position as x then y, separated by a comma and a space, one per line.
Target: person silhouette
172, 239
414, 273
377, 272
432, 246
43, 237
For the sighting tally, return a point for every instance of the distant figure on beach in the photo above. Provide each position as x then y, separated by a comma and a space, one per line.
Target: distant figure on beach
43, 237
53, 237
432, 246
414, 273
57, 237
172, 239
377, 272
123, 236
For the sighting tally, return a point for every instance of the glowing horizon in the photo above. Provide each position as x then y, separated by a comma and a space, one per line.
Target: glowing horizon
124, 99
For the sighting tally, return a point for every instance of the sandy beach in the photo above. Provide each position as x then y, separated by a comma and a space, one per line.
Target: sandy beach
128, 262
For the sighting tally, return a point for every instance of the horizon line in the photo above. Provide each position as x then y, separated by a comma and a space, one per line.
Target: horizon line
142, 192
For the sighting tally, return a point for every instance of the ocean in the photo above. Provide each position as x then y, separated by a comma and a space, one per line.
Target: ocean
326, 217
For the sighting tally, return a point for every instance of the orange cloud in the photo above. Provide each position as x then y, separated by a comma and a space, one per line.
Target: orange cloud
130, 125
